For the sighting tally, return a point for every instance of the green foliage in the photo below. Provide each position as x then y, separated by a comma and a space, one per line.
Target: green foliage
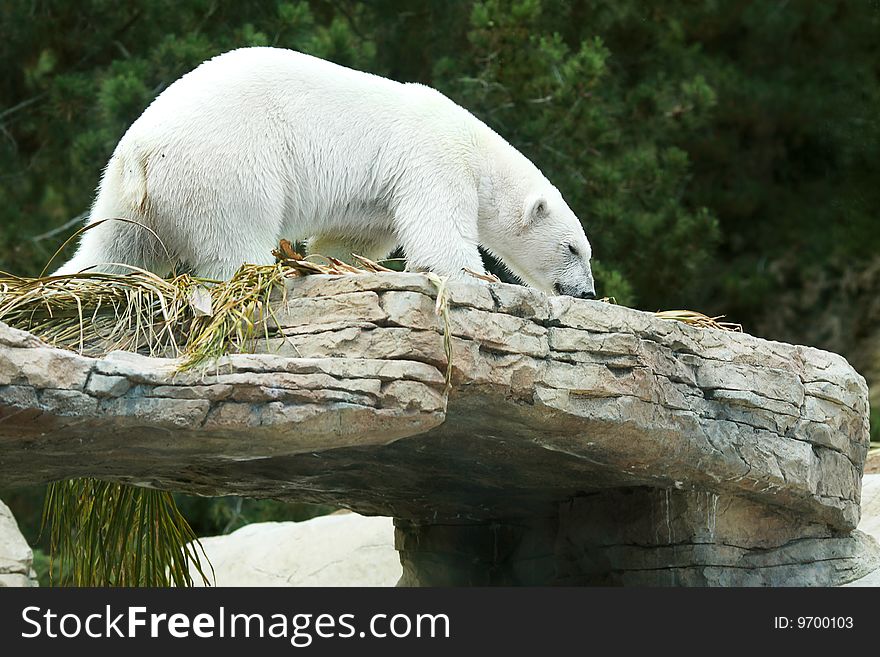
212, 516
791, 163
696, 141
607, 142
42, 566
107, 534
26, 503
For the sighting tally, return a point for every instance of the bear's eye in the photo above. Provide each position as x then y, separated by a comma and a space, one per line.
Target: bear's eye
573, 250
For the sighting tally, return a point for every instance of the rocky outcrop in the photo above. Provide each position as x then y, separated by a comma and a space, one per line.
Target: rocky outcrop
580, 442
342, 549
16, 557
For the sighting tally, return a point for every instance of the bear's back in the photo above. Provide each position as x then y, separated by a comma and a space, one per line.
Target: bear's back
267, 95
249, 82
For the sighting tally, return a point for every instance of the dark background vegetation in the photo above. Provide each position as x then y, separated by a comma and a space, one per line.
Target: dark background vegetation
723, 155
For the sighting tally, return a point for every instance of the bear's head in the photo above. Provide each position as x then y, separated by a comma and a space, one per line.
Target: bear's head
543, 243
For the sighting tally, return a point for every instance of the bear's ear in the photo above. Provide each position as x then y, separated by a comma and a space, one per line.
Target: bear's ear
535, 210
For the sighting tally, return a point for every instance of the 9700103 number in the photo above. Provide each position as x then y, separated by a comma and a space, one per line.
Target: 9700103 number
813, 622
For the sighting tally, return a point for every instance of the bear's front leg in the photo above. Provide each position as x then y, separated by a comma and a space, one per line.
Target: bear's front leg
441, 239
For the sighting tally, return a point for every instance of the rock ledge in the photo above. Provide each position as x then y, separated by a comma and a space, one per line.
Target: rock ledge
581, 442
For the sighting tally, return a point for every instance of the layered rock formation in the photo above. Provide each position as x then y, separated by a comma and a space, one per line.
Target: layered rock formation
580, 442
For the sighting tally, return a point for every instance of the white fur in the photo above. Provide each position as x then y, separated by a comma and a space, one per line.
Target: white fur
263, 143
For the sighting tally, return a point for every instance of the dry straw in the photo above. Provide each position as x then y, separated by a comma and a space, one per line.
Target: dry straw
196, 319
699, 320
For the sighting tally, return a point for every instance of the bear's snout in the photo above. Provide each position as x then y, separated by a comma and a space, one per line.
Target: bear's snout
578, 292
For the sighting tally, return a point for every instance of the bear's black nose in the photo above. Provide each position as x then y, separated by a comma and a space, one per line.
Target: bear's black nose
575, 292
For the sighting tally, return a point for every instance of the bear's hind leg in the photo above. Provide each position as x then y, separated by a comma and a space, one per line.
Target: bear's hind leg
119, 246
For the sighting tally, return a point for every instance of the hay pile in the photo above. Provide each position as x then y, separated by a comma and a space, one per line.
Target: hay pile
183, 316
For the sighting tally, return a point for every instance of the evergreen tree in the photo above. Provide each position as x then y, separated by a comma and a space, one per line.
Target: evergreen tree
709, 148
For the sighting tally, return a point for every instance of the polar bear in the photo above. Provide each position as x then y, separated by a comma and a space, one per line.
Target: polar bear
262, 143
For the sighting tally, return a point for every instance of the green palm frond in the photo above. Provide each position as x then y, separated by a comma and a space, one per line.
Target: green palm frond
110, 534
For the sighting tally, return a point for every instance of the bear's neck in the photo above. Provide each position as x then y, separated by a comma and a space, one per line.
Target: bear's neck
507, 176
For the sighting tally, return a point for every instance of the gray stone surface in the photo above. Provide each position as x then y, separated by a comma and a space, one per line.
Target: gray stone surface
16, 557
343, 549
637, 537
554, 400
